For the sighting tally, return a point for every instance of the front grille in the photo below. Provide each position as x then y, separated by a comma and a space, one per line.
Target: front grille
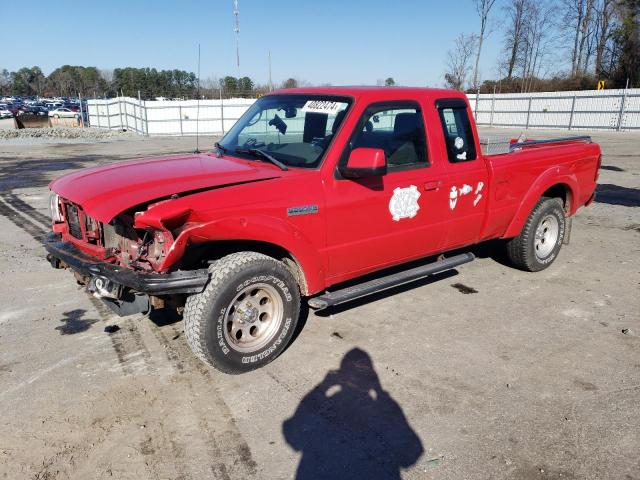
74, 221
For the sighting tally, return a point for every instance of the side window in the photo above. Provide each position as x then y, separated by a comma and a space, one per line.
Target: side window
398, 130
457, 134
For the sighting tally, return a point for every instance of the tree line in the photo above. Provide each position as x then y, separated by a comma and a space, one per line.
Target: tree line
595, 39
149, 83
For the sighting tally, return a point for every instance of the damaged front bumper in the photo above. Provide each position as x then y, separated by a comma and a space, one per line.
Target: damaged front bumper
117, 284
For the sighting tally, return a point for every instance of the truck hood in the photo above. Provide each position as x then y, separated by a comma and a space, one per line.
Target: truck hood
104, 192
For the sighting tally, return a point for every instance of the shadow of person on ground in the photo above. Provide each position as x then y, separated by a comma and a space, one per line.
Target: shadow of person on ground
348, 427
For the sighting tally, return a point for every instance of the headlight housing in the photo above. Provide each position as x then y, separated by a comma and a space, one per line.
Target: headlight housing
55, 208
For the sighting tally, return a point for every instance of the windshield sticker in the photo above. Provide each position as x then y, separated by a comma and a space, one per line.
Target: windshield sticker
404, 203
459, 143
322, 106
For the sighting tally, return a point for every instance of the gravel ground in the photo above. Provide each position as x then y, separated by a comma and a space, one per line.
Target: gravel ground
35, 136
486, 373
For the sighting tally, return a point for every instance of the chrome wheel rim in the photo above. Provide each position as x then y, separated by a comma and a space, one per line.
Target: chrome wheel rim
546, 236
253, 318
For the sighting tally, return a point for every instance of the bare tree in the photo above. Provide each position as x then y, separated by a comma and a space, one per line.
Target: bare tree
513, 37
106, 74
585, 34
459, 61
538, 40
483, 7
604, 13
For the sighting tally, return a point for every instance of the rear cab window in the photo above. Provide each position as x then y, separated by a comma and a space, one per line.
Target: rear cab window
457, 131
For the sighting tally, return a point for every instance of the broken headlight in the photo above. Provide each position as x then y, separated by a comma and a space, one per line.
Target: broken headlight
56, 208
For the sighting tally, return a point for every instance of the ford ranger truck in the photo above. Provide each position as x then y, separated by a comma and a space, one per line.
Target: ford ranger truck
311, 188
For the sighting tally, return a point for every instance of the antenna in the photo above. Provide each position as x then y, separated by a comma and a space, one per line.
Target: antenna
197, 150
270, 82
236, 13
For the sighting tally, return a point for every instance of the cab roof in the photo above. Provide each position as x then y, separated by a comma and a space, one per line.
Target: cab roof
376, 93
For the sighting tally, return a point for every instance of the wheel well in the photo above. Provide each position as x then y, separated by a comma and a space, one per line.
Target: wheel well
562, 192
200, 254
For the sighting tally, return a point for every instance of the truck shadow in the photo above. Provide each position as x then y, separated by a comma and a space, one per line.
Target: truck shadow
348, 426
617, 195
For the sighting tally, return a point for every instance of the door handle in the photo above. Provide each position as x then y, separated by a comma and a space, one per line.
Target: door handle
435, 185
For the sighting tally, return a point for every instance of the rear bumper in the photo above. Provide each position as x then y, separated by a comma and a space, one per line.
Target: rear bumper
63, 254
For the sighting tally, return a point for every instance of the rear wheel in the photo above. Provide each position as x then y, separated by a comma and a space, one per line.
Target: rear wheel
246, 315
541, 238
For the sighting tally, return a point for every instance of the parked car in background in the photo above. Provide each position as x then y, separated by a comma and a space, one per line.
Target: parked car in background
63, 113
4, 113
35, 110
15, 109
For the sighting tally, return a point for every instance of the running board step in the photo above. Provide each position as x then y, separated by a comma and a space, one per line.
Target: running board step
367, 288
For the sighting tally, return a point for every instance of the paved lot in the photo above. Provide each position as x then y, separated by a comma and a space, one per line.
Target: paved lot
529, 377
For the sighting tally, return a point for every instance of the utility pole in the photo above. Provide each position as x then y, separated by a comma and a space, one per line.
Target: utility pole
236, 13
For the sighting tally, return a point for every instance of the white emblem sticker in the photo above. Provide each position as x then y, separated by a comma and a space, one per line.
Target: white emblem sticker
404, 203
458, 143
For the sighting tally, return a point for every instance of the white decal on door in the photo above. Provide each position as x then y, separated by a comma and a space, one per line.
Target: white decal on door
453, 198
456, 192
404, 203
478, 194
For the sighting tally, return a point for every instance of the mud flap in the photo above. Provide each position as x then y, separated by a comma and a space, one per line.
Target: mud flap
567, 231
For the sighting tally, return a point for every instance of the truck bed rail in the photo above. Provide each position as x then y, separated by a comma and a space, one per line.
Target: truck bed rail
528, 143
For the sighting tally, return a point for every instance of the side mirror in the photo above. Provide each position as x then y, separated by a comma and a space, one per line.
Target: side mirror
365, 162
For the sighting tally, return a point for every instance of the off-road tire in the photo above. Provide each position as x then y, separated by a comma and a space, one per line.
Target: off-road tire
521, 250
205, 313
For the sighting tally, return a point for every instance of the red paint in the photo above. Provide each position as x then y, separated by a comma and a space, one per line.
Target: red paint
366, 158
352, 232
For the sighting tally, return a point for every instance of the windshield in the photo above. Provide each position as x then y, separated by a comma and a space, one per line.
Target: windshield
294, 129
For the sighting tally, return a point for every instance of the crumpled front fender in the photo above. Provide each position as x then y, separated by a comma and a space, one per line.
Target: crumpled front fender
259, 228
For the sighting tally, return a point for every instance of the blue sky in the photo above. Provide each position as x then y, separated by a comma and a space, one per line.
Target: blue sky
328, 41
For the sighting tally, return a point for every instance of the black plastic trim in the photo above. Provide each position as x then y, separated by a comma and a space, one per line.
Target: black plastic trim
180, 281
450, 103
389, 281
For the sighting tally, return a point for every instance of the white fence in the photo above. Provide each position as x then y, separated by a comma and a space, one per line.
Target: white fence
587, 109
590, 109
186, 117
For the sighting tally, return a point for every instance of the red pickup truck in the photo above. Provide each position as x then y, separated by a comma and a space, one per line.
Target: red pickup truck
311, 188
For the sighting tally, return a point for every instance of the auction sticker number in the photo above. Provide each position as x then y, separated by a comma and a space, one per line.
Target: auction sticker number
322, 106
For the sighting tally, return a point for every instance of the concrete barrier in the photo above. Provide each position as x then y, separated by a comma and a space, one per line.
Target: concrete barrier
32, 121
7, 124
65, 122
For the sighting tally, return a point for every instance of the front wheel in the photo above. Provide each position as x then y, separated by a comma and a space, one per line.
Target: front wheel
541, 238
246, 315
